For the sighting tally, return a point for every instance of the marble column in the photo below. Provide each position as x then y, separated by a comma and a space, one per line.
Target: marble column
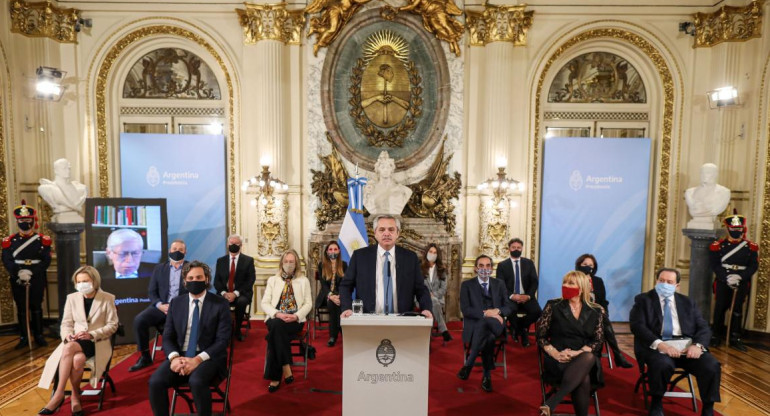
67, 243
701, 276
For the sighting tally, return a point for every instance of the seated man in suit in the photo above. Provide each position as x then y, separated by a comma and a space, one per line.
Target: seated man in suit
520, 279
483, 303
166, 284
661, 315
195, 339
234, 279
386, 277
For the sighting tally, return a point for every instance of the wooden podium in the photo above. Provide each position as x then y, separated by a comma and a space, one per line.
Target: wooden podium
385, 365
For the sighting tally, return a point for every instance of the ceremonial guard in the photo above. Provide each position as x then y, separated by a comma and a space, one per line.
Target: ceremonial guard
26, 256
734, 261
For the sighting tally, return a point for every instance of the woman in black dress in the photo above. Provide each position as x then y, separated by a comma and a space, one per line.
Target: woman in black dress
329, 274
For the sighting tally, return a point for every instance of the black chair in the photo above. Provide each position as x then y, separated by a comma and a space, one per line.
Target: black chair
500, 343
679, 375
155, 345
217, 394
608, 354
320, 319
245, 321
550, 386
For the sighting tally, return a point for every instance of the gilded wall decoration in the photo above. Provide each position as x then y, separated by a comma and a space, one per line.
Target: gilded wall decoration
499, 24
437, 18
271, 22
494, 227
335, 14
597, 77
7, 313
763, 273
728, 24
45, 20
433, 195
386, 89
330, 186
171, 73
385, 86
272, 222
663, 163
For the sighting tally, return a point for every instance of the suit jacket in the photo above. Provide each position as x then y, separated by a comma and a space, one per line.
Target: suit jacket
101, 323
529, 281
600, 293
438, 286
325, 286
214, 331
472, 303
159, 287
646, 319
362, 276
245, 275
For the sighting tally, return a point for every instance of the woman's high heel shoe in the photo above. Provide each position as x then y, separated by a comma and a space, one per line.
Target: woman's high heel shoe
47, 411
272, 389
289, 380
545, 411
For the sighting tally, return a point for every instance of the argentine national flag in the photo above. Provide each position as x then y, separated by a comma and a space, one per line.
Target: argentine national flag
353, 232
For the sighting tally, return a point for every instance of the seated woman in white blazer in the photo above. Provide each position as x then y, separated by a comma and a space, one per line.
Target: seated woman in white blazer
89, 320
287, 301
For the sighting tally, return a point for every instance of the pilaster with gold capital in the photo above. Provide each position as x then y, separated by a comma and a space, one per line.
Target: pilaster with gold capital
499, 24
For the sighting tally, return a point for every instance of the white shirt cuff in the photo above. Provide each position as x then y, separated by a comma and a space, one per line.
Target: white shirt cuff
236, 293
203, 356
223, 293
173, 355
655, 344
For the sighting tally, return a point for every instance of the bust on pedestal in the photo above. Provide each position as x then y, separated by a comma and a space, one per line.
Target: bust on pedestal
384, 195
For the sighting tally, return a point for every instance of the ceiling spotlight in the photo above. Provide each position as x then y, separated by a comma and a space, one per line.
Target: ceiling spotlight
723, 97
49, 83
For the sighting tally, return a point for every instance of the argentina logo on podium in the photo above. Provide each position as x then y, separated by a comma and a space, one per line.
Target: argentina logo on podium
386, 353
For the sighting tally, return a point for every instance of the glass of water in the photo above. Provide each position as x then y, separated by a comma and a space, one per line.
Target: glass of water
358, 307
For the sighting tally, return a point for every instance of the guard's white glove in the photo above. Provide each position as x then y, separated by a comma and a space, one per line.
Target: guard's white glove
25, 275
733, 280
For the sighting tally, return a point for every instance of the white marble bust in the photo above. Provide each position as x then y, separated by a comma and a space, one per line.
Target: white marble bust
65, 196
706, 201
384, 195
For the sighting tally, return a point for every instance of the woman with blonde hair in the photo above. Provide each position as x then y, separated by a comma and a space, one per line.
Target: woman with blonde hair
329, 274
287, 301
89, 320
570, 332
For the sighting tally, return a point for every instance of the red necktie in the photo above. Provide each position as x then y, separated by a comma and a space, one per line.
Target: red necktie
231, 280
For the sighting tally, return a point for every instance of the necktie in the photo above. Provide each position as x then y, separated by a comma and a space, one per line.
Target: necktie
192, 345
516, 279
668, 321
388, 281
231, 279
486, 291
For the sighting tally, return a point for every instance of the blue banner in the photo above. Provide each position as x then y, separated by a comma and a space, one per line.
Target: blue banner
189, 171
595, 201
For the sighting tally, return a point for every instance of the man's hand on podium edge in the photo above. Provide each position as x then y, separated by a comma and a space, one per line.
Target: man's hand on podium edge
346, 313
427, 314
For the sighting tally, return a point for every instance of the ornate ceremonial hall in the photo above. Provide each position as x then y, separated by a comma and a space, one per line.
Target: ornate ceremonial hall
576, 126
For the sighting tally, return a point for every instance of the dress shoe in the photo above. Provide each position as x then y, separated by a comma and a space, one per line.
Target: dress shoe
464, 372
447, 336
22, 344
621, 361
545, 411
78, 412
331, 342
241, 337
525, 340
40, 341
273, 389
47, 411
486, 384
708, 409
289, 380
656, 409
143, 362
738, 344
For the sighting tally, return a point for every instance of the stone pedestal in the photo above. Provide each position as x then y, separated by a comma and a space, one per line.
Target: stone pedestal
701, 276
67, 241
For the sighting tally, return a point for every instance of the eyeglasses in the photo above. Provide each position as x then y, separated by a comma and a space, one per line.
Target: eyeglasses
123, 255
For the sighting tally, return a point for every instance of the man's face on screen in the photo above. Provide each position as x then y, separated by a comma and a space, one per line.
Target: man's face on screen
126, 257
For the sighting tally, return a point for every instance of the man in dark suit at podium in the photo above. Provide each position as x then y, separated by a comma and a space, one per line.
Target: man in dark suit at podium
234, 279
520, 279
386, 277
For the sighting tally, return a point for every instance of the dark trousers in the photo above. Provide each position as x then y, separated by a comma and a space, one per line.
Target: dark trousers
278, 338
334, 318
146, 319
483, 342
724, 297
200, 382
706, 369
36, 291
531, 308
240, 303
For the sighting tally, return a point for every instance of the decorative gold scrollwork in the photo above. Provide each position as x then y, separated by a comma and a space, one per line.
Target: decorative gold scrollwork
334, 15
499, 24
44, 20
171, 73
437, 19
330, 186
271, 22
729, 24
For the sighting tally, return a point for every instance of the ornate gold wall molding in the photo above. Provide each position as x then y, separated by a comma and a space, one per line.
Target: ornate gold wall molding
271, 22
664, 161
6, 300
334, 15
44, 20
499, 24
762, 275
728, 24
104, 71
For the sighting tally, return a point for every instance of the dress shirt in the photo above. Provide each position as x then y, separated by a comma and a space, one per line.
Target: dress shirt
173, 281
229, 262
379, 307
674, 318
202, 355
432, 273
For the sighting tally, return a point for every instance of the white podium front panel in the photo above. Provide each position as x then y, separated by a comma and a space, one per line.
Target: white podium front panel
385, 365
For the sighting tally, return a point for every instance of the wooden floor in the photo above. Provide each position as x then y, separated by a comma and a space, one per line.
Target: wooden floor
745, 384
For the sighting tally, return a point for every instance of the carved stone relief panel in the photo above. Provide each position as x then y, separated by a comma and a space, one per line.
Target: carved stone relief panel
598, 77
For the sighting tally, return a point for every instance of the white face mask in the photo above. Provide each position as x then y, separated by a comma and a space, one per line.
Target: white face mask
288, 268
431, 257
85, 288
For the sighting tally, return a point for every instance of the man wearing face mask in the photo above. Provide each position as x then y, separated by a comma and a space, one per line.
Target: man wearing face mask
234, 279
520, 277
195, 340
484, 303
166, 284
734, 260
26, 256
663, 322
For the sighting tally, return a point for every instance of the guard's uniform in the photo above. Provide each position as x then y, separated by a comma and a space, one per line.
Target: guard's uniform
31, 252
734, 261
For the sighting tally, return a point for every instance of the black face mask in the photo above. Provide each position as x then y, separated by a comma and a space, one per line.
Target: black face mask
234, 248
333, 256
587, 270
196, 287
736, 234
515, 253
25, 226
176, 255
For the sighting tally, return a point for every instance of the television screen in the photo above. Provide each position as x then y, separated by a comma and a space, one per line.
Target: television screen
125, 239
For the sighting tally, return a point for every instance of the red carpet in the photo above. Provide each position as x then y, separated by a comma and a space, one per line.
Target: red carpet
320, 393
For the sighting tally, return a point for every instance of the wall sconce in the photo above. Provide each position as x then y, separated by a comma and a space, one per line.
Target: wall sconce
723, 97
688, 28
48, 85
501, 186
263, 185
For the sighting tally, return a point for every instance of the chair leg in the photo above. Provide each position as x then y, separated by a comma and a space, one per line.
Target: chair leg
692, 393
173, 403
596, 404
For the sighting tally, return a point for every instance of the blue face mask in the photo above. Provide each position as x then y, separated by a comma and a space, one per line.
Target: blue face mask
665, 290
